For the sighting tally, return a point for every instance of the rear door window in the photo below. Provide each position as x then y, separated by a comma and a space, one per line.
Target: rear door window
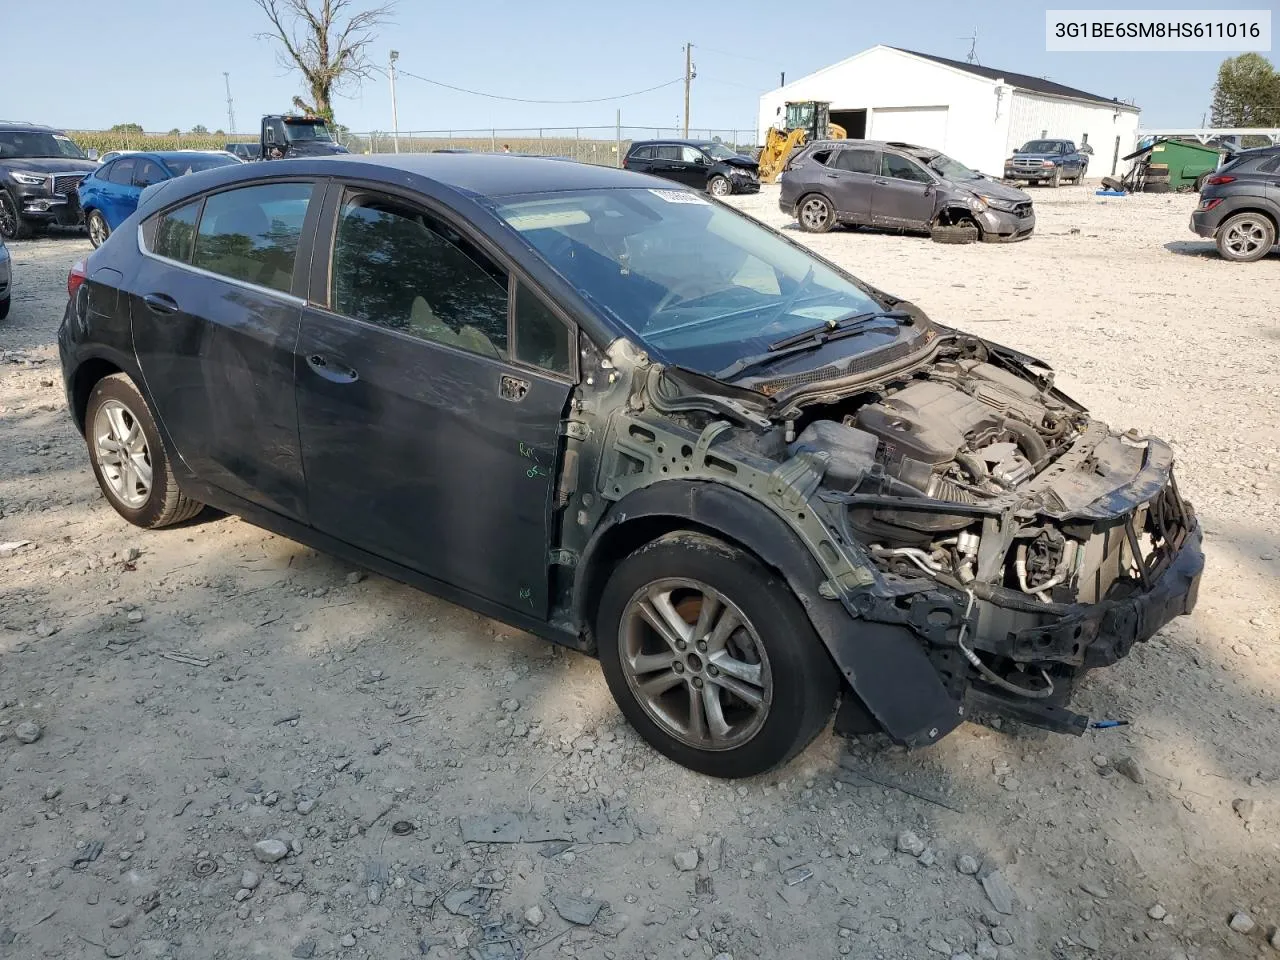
397, 267
856, 161
667, 152
252, 233
122, 171
148, 172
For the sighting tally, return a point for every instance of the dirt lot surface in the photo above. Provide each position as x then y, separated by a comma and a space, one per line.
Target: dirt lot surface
361, 725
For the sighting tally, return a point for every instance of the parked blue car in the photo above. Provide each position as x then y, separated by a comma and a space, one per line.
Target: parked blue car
110, 194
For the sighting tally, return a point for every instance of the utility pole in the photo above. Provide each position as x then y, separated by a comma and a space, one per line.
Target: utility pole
688, 78
395, 118
231, 112
782, 79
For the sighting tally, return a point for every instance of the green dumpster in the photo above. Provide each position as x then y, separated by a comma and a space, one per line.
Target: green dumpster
1185, 160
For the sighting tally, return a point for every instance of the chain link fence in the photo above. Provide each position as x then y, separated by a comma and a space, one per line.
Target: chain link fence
596, 144
605, 145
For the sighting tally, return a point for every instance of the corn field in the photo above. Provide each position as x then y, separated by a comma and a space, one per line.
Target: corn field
602, 145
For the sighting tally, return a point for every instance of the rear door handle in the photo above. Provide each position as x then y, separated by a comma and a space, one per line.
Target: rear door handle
335, 372
161, 303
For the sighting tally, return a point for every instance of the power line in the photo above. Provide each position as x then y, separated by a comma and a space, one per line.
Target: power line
496, 96
740, 56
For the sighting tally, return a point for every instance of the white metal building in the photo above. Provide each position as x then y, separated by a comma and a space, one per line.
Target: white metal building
973, 113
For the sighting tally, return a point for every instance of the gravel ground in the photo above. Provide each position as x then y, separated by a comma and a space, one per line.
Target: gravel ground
311, 790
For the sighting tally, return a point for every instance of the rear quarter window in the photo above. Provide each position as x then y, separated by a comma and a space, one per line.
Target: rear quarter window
175, 233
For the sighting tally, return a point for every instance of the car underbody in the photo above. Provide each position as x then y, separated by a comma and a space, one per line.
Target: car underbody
965, 538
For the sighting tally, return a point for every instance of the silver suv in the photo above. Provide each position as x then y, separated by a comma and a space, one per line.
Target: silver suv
903, 187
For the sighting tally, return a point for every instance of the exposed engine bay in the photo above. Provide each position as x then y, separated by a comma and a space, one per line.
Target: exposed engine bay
957, 503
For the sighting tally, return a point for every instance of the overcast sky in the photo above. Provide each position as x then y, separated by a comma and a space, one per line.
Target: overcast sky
163, 68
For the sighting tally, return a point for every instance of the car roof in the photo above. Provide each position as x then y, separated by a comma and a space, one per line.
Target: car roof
678, 141
471, 175
21, 126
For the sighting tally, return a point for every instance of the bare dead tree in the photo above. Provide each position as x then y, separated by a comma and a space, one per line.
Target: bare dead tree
327, 41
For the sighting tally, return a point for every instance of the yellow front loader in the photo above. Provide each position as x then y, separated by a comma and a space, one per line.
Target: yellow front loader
804, 121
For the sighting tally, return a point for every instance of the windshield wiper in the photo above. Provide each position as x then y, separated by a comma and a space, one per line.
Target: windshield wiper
791, 298
811, 340
828, 327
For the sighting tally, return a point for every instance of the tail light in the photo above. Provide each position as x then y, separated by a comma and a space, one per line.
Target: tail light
1210, 203
76, 278
1221, 179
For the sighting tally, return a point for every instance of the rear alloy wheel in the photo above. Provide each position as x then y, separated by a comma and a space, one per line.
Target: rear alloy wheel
711, 658
98, 229
816, 214
1246, 237
12, 226
719, 186
128, 456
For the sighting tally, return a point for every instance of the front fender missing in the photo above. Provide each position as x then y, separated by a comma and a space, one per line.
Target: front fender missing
883, 664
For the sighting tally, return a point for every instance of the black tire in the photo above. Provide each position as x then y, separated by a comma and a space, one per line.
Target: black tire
164, 503
12, 226
964, 232
815, 213
1245, 237
1200, 180
1056, 180
96, 225
719, 186
804, 680
1111, 183
4, 307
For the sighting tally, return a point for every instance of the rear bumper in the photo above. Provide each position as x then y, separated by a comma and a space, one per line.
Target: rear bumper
1204, 223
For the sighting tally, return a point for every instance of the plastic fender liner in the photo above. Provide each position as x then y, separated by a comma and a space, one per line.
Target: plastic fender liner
884, 664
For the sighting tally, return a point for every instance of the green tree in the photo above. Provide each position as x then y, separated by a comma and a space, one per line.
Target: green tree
199, 128
1247, 93
127, 128
327, 42
175, 132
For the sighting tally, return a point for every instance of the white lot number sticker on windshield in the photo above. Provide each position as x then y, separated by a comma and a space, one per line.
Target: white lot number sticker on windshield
678, 196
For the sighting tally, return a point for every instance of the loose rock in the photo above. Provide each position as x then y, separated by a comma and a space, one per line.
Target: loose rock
269, 851
250, 880
966, 864
1131, 768
28, 731
305, 807
534, 916
908, 842
687, 860
1244, 808
1157, 912
1241, 922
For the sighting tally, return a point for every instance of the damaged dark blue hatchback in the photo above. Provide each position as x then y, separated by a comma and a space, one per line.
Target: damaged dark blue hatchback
628, 419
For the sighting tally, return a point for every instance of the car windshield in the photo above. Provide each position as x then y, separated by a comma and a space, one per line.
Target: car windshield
719, 151
1041, 146
691, 279
181, 166
22, 143
952, 169
302, 130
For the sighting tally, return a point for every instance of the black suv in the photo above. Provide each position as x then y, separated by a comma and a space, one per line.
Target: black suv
1240, 205
703, 164
40, 169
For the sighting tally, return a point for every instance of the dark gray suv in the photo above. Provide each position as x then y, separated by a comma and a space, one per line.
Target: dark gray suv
900, 186
1240, 205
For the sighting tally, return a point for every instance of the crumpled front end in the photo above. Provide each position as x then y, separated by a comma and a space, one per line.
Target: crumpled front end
1020, 541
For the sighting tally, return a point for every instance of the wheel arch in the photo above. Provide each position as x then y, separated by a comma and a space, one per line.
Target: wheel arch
1251, 206
88, 375
950, 214
884, 669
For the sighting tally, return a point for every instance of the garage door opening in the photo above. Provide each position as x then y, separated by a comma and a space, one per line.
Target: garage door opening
853, 121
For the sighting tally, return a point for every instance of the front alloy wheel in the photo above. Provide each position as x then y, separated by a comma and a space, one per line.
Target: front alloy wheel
98, 229
711, 657
719, 186
11, 225
696, 664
